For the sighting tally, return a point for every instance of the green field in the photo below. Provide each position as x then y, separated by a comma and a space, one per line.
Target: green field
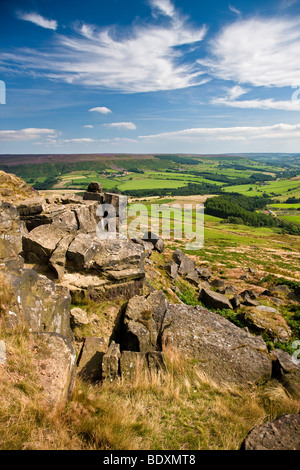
277, 188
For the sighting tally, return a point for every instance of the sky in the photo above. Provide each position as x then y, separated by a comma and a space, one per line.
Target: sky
149, 76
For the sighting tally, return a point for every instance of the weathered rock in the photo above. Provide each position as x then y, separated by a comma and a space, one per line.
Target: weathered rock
281, 434
41, 242
78, 317
287, 371
94, 187
110, 363
226, 352
218, 284
172, 269
248, 293
11, 231
119, 255
213, 299
268, 319
31, 206
156, 241
91, 358
185, 264
229, 290
204, 273
57, 260
132, 365
142, 321
82, 251
280, 288
193, 277
148, 246
43, 305
55, 362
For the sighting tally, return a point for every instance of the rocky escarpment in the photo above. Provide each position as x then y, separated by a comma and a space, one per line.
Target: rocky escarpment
52, 257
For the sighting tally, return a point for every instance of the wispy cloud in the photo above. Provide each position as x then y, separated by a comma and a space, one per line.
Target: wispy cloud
101, 110
37, 19
26, 134
122, 125
235, 92
258, 51
149, 57
246, 133
80, 140
88, 126
165, 7
234, 10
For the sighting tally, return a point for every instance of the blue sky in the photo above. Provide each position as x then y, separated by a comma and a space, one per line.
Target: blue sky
150, 76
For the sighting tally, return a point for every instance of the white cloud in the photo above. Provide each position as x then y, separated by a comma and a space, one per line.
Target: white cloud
149, 57
26, 134
88, 126
246, 133
38, 20
259, 104
164, 6
122, 125
101, 110
81, 140
235, 92
258, 51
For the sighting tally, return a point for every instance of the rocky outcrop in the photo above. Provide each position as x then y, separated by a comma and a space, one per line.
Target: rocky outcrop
225, 351
13, 189
281, 434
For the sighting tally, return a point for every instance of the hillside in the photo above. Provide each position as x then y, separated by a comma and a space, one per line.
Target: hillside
176, 340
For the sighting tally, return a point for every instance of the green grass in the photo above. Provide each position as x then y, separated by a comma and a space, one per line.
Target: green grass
292, 218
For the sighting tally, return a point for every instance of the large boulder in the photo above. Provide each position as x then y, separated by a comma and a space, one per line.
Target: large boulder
55, 359
268, 319
212, 299
281, 434
185, 264
224, 351
82, 251
40, 243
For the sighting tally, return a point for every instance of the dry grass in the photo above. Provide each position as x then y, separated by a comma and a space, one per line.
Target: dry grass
182, 408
